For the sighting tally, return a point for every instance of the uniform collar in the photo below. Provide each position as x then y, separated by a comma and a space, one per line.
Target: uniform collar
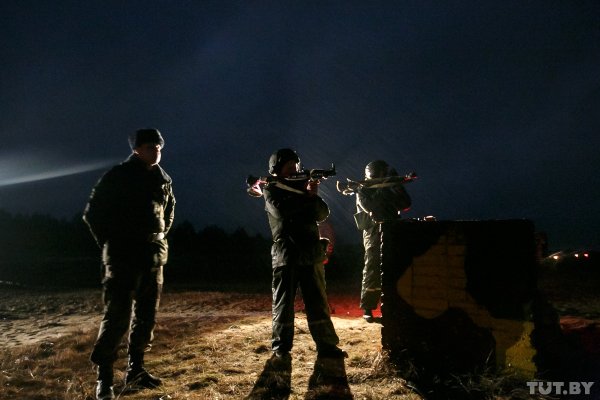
157, 169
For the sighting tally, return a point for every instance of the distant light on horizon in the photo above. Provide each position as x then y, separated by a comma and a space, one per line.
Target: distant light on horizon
10, 177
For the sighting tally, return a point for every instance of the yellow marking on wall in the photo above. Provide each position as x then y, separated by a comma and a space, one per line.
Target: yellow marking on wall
437, 281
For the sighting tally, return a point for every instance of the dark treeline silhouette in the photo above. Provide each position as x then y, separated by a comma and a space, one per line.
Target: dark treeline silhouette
40, 250
213, 256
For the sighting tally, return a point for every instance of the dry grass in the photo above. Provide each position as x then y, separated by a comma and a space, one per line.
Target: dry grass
208, 345
212, 345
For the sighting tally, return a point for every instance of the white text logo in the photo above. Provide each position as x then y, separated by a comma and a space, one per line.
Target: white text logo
559, 387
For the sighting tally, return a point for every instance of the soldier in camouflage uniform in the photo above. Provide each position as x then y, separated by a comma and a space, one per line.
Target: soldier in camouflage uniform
129, 212
293, 209
374, 206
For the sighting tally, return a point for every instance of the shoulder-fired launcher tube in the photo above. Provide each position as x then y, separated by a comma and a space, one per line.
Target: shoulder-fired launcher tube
256, 184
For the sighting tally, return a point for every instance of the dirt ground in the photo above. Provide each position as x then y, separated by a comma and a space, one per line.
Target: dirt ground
208, 345
31, 316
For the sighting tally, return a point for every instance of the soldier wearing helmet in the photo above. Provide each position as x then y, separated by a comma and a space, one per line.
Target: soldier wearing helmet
375, 206
293, 209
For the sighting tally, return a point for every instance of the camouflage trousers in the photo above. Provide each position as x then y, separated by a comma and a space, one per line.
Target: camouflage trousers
311, 281
371, 276
131, 296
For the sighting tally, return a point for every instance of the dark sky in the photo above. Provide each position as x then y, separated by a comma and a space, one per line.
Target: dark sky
495, 104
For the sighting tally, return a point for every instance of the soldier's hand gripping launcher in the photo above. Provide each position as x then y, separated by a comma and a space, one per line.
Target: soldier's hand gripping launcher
257, 184
389, 181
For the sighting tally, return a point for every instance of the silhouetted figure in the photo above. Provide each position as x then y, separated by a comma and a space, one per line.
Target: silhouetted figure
129, 213
293, 209
375, 205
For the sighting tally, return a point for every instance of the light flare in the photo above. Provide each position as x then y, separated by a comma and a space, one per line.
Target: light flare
14, 173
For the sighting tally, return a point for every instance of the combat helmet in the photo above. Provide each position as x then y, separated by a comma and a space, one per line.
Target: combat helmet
376, 169
279, 158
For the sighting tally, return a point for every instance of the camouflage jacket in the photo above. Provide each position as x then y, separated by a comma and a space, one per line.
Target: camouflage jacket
381, 204
130, 211
293, 221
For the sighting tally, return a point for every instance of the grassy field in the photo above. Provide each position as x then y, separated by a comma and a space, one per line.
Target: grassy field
208, 345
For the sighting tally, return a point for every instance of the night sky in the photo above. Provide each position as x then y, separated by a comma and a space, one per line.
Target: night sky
495, 104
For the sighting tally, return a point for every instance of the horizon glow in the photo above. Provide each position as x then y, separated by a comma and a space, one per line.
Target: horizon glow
8, 178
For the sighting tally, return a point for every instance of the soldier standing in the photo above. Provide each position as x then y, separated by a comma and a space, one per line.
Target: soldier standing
293, 209
129, 212
374, 206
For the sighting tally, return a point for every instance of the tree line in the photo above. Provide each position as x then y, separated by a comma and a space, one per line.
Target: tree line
41, 250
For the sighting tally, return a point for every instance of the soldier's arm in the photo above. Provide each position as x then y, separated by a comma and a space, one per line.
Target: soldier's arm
287, 205
100, 210
367, 199
401, 199
169, 210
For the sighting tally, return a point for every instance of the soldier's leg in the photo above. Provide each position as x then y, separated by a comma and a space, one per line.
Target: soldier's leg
147, 298
371, 279
117, 296
284, 293
312, 284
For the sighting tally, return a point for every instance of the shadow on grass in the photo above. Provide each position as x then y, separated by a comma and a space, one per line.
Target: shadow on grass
328, 380
275, 381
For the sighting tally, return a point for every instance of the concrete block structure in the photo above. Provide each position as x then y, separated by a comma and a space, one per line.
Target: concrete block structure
457, 296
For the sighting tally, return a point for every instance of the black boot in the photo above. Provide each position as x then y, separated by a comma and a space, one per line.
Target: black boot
104, 387
368, 315
137, 377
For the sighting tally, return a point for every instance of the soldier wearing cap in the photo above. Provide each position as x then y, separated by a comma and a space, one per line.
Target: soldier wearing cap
293, 210
129, 212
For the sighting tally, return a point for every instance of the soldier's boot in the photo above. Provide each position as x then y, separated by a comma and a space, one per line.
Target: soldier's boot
136, 376
104, 383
